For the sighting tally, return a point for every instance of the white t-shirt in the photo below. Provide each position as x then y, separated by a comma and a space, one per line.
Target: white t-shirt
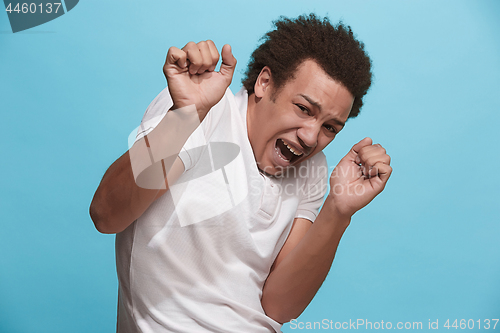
197, 259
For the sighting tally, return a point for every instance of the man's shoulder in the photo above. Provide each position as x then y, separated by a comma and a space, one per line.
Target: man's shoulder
238, 100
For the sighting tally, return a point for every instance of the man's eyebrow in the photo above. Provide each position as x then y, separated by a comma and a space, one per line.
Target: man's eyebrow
317, 105
311, 101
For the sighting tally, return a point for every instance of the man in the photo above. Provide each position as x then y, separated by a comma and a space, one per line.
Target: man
214, 239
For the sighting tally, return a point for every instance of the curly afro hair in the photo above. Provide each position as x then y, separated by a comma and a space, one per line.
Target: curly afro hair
333, 47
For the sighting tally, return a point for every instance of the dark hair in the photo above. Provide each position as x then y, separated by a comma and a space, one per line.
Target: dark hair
334, 48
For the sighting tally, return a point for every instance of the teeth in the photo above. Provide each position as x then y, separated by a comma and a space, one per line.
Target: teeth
291, 149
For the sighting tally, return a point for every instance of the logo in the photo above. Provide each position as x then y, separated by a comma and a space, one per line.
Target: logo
26, 15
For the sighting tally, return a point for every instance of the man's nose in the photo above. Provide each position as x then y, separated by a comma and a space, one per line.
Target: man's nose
308, 134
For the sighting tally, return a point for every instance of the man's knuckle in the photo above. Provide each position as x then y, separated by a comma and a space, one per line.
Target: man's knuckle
195, 61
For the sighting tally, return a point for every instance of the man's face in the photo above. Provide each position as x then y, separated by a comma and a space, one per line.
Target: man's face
300, 120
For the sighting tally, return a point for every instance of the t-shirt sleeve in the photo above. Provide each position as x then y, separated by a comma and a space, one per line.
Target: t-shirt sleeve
155, 112
315, 188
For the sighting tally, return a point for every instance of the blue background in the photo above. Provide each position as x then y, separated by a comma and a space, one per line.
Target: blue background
71, 91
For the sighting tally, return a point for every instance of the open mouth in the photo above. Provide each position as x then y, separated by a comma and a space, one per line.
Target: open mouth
286, 152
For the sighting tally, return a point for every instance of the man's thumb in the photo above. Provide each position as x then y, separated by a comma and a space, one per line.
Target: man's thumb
228, 62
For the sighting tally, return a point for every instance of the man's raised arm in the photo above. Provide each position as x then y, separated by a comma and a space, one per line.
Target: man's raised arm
141, 175
307, 255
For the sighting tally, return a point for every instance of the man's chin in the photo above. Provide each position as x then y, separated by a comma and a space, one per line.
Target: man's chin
269, 169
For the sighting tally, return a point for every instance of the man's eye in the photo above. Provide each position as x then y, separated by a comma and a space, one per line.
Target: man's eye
303, 109
330, 129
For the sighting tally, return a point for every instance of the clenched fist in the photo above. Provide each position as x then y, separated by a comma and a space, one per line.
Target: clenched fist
191, 75
359, 177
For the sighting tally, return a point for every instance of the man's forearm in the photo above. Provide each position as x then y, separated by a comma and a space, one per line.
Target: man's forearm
143, 173
292, 285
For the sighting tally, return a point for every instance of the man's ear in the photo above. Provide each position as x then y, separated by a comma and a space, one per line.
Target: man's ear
263, 82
